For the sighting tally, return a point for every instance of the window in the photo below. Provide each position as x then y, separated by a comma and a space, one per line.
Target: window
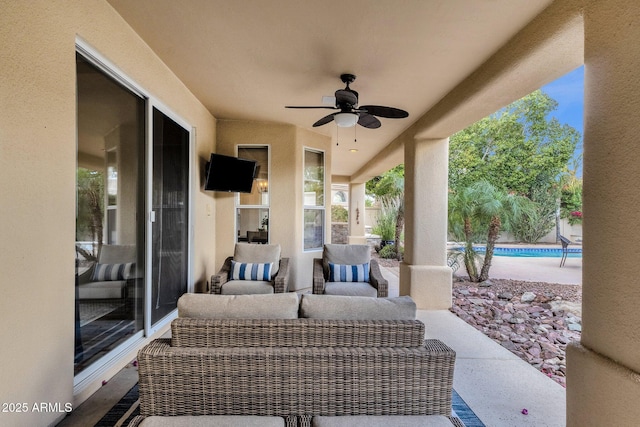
313, 199
339, 197
252, 209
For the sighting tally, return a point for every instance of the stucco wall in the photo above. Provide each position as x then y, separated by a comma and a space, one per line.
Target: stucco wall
603, 382
37, 179
287, 145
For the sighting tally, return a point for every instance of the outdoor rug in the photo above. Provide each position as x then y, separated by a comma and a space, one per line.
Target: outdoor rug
127, 408
90, 311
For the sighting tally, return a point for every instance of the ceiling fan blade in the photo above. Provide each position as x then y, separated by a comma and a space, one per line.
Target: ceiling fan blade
369, 121
324, 120
308, 107
386, 112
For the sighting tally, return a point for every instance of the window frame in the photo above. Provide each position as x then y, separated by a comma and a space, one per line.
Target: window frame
259, 207
96, 371
318, 208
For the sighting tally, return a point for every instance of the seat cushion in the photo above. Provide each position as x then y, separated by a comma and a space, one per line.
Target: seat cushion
354, 289
344, 254
357, 308
382, 421
111, 289
210, 306
213, 421
246, 287
245, 252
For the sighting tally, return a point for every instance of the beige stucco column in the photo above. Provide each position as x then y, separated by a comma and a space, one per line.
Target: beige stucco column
356, 214
424, 274
603, 380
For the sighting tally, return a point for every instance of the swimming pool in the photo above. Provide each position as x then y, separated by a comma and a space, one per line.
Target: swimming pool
533, 252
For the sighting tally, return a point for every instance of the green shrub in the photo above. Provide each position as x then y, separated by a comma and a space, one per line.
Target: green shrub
386, 224
339, 214
389, 252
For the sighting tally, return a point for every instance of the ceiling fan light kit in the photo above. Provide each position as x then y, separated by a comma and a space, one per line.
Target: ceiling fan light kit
349, 113
346, 120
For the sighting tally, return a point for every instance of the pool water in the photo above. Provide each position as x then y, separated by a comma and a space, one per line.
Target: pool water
533, 252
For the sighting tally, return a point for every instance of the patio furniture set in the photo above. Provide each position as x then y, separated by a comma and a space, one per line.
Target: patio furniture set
295, 360
342, 270
338, 356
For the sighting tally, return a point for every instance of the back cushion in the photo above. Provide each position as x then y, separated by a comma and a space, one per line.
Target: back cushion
208, 306
252, 253
340, 307
344, 254
116, 254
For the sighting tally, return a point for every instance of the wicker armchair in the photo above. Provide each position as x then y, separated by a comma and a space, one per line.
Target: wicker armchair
224, 282
350, 255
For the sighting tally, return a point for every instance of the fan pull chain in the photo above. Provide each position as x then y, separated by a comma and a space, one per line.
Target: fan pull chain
355, 133
337, 136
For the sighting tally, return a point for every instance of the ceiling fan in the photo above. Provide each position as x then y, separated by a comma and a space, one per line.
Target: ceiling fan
349, 113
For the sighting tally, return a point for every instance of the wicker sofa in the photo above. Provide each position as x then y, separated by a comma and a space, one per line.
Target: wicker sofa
318, 361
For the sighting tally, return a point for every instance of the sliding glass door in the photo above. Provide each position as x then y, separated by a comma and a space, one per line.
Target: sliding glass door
170, 215
132, 215
110, 224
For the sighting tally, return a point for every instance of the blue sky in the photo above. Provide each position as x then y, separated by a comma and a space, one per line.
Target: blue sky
568, 91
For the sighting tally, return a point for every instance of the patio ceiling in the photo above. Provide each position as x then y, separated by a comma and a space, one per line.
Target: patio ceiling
247, 59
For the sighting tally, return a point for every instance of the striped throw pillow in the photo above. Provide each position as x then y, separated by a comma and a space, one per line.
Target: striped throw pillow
251, 271
108, 272
349, 273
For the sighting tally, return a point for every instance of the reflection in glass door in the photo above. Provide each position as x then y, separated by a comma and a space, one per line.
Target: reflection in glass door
109, 259
170, 215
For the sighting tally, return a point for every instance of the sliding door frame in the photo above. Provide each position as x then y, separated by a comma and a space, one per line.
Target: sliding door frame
113, 360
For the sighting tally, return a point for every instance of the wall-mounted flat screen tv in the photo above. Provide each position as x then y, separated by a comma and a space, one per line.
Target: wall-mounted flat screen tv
230, 174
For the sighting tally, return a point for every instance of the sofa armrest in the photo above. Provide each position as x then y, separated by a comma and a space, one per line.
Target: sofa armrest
136, 421
377, 280
220, 278
281, 281
318, 276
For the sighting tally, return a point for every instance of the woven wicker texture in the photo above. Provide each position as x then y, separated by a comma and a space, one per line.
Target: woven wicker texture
280, 281
285, 381
186, 332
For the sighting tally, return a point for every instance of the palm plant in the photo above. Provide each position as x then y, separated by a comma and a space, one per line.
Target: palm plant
478, 212
389, 188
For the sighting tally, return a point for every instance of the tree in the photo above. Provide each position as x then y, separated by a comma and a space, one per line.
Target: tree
389, 188
571, 197
479, 212
520, 151
89, 219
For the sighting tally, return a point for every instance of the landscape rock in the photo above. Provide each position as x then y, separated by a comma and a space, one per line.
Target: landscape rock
533, 320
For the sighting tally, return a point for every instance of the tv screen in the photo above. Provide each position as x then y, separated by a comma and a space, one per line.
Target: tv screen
230, 174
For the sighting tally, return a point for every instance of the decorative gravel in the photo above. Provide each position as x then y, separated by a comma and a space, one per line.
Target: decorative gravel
533, 320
